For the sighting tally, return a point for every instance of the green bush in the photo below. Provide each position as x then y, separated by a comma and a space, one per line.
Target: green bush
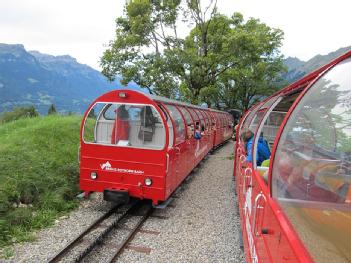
18, 113
38, 173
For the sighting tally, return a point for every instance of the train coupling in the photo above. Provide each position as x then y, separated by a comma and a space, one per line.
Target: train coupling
116, 196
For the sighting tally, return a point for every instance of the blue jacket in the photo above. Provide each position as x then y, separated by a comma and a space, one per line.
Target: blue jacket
263, 152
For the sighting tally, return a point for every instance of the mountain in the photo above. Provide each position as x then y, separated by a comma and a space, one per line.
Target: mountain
298, 68
33, 78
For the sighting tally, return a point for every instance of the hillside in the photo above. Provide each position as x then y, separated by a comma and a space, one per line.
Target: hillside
38, 173
298, 68
33, 78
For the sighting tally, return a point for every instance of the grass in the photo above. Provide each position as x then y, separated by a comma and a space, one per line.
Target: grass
38, 174
231, 157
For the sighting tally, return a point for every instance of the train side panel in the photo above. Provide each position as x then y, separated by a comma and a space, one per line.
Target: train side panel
295, 204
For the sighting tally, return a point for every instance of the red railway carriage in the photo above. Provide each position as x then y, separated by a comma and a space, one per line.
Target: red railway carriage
296, 205
143, 146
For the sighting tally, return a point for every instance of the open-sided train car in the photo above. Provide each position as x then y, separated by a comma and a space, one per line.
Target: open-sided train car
297, 208
143, 146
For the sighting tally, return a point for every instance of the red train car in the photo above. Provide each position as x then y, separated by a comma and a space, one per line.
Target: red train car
143, 146
296, 206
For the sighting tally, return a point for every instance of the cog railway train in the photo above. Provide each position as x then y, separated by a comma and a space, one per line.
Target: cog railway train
296, 206
143, 146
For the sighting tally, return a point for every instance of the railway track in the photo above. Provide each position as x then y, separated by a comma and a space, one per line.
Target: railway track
93, 239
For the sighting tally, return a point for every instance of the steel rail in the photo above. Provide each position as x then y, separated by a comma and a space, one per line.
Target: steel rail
74, 242
131, 235
100, 238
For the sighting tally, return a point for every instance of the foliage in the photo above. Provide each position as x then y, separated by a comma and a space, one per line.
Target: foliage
18, 113
52, 110
38, 173
146, 26
223, 59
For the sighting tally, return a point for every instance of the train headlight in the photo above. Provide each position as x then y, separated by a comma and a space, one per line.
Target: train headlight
148, 181
93, 175
122, 95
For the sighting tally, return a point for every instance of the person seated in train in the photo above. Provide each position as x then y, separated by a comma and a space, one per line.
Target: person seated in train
121, 126
198, 132
190, 131
263, 151
148, 124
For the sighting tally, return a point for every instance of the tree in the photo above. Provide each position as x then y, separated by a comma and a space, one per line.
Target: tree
241, 65
222, 59
52, 110
142, 35
259, 74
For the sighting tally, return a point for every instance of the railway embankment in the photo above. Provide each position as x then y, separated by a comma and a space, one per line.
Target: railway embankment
38, 175
201, 224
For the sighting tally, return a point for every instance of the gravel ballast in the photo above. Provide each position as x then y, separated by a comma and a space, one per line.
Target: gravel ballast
200, 225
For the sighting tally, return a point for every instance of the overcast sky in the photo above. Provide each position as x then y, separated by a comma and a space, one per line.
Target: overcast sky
81, 28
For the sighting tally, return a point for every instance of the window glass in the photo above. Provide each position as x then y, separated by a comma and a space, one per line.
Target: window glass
218, 122
207, 120
169, 126
213, 120
193, 114
126, 125
312, 167
203, 120
179, 123
271, 126
201, 117
186, 115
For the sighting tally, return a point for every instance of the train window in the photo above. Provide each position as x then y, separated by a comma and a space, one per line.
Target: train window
169, 126
187, 116
203, 120
219, 123
126, 125
195, 118
201, 123
179, 123
312, 167
189, 122
207, 120
193, 114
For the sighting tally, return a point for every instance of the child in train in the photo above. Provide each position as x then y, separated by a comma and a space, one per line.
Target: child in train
263, 151
198, 132
190, 131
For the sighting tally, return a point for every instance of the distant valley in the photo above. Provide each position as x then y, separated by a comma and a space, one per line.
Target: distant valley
33, 78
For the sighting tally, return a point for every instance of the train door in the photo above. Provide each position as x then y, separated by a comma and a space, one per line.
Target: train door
210, 131
266, 229
252, 193
218, 128
190, 150
202, 143
196, 142
180, 146
212, 127
171, 156
260, 231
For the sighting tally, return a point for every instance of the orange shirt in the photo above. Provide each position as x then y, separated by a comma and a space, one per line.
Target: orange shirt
120, 131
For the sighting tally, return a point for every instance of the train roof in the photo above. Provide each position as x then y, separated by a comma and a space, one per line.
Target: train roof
305, 81
177, 102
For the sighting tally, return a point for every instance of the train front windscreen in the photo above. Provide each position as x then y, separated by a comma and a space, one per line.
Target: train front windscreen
125, 125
